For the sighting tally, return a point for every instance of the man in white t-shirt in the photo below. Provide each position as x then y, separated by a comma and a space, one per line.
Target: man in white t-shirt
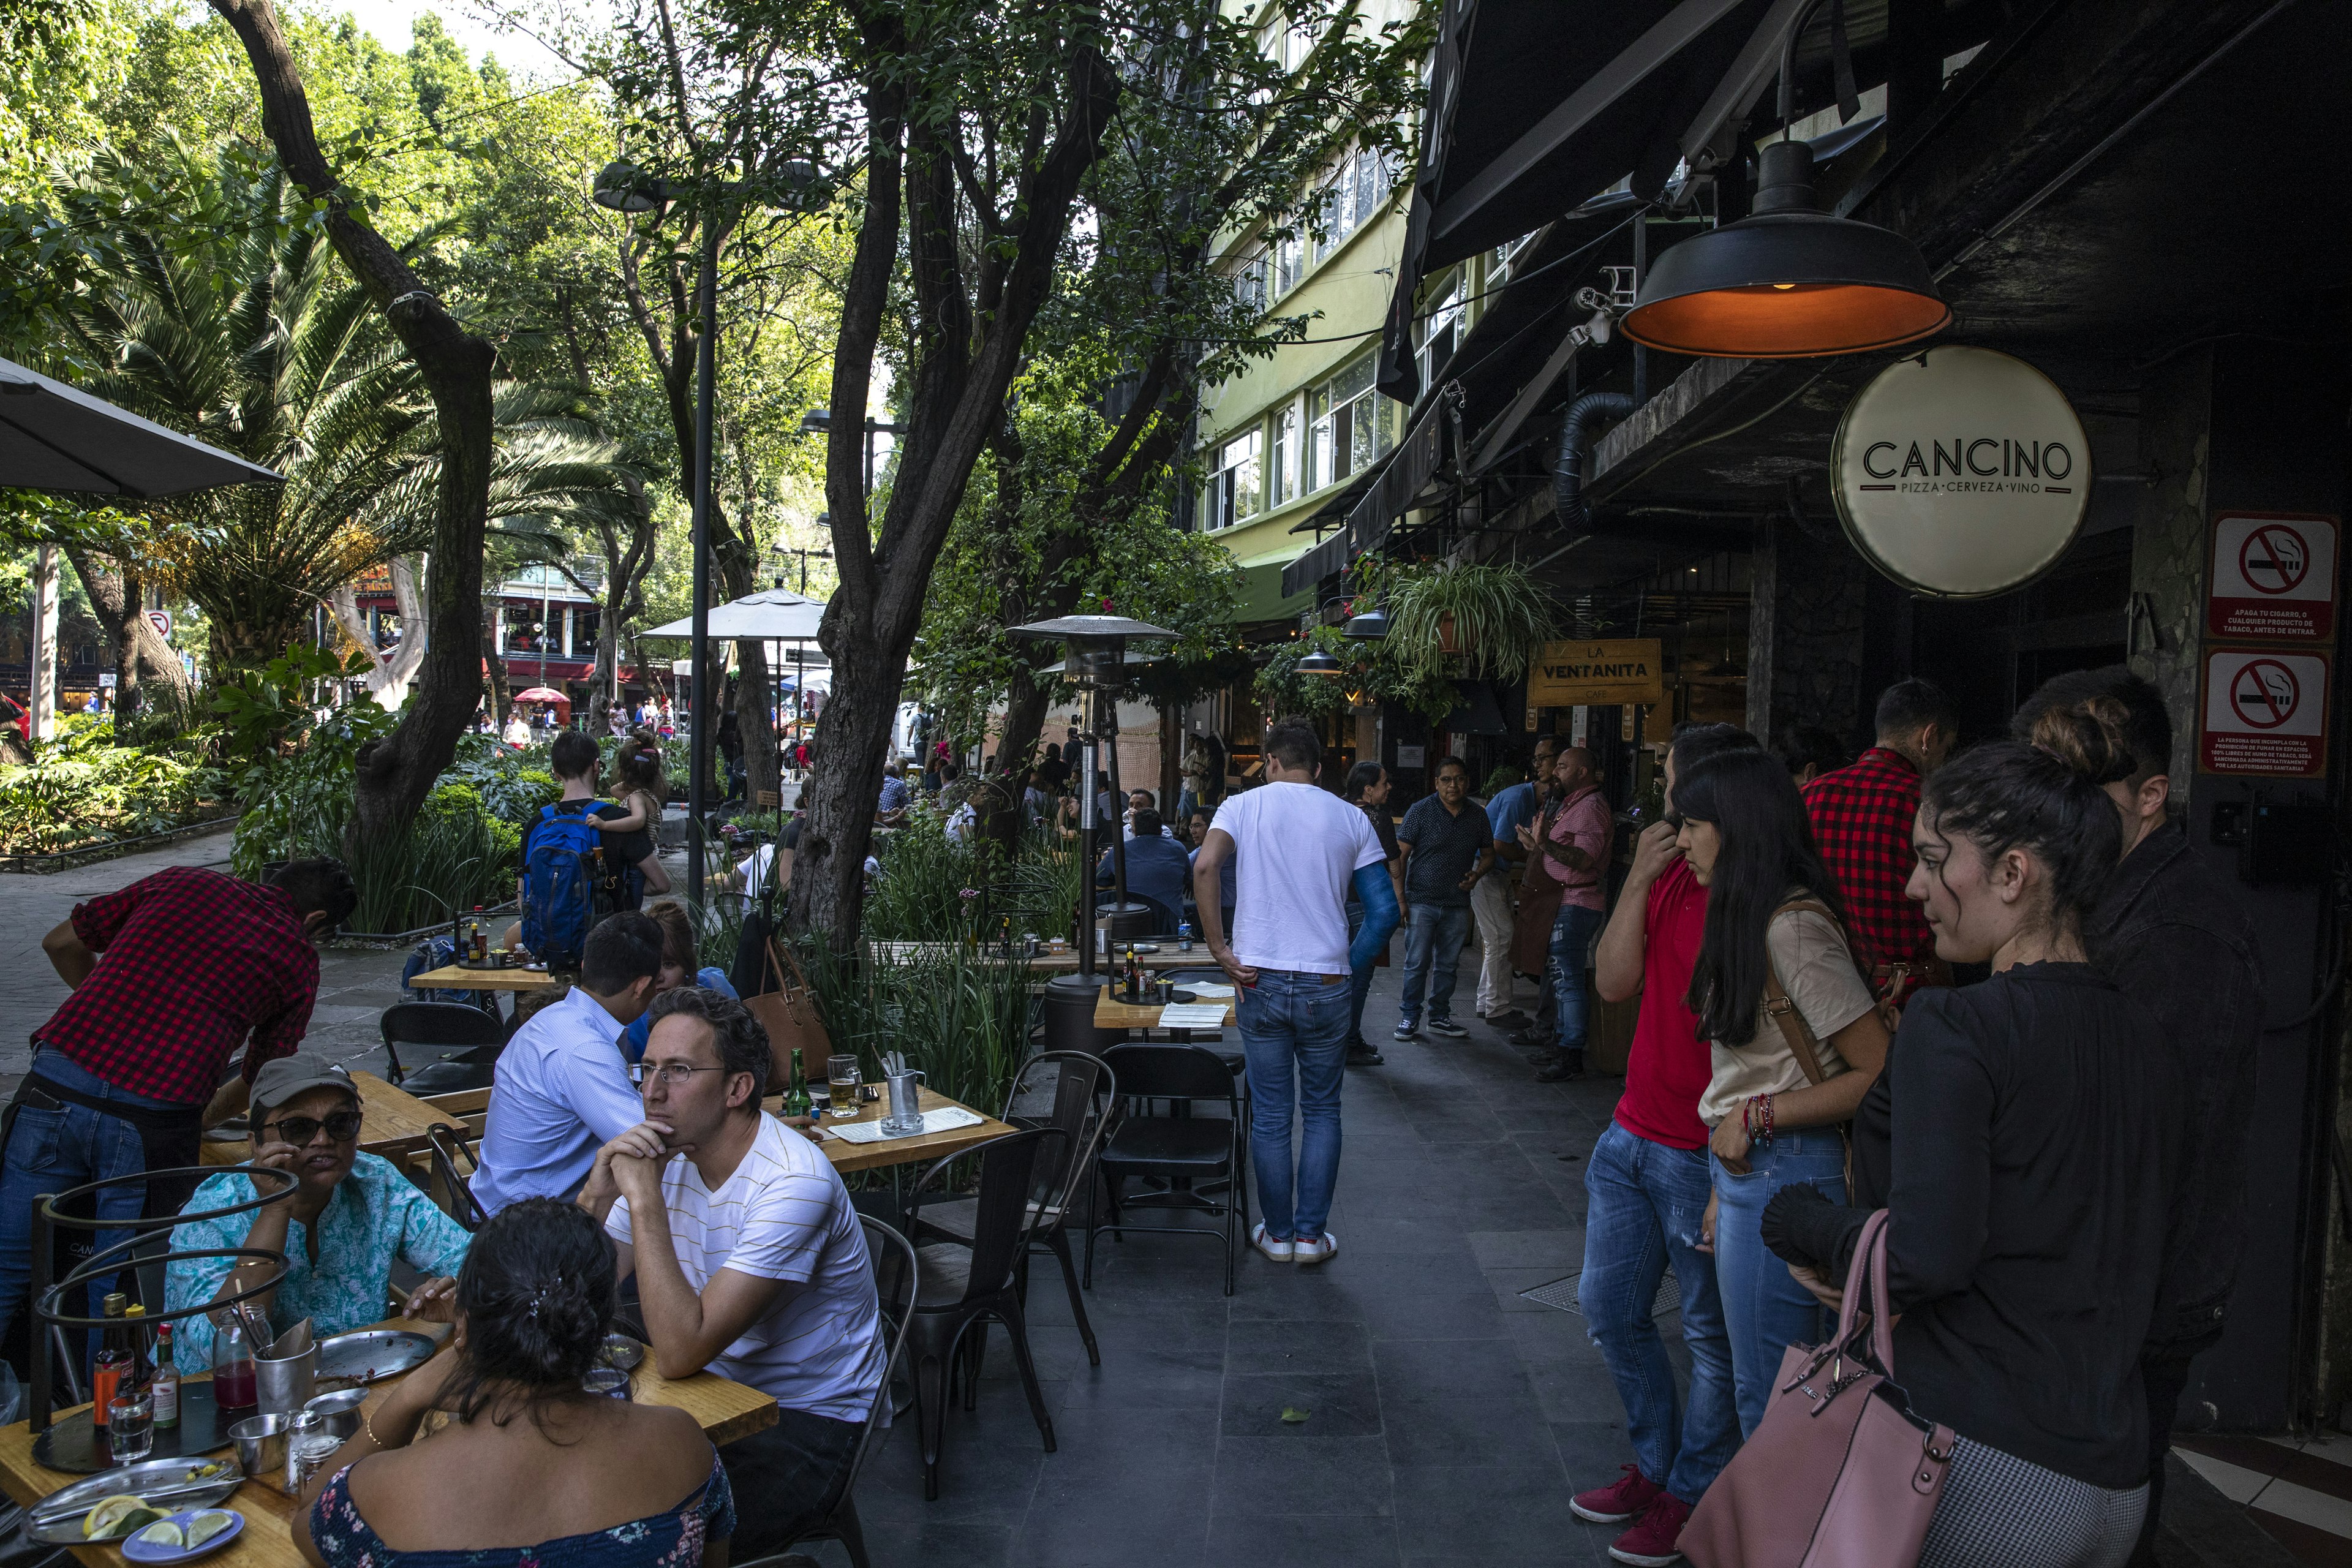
1300, 848
749, 1261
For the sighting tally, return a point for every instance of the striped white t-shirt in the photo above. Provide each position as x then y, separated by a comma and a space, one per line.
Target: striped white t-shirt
783, 1215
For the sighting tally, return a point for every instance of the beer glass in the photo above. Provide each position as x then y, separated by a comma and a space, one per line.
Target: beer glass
841, 1079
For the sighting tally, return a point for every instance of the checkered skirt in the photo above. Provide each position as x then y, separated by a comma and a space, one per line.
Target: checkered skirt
2000, 1508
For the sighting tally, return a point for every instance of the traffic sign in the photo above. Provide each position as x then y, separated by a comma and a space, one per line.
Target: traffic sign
2266, 714
2273, 577
161, 621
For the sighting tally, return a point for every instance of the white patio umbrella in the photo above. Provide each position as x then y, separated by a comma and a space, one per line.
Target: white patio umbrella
775, 615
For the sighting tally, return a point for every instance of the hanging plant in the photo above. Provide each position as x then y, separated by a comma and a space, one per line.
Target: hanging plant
1285, 690
1480, 621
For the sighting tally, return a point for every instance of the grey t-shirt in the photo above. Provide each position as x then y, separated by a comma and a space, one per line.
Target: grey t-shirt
1445, 846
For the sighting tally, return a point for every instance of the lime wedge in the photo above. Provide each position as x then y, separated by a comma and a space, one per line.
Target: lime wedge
208, 1524
109, 1513
163, 1533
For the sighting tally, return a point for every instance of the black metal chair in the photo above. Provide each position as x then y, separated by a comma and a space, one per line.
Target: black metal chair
1076, 1092
898, 1276
963, 1285
1186, 1150
431, 1025
448, 1147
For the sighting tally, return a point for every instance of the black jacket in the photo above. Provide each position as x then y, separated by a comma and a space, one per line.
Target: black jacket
2175, 938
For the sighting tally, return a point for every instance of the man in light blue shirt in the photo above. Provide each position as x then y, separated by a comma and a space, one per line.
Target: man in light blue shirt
890, 810
561, 1089
1490, 900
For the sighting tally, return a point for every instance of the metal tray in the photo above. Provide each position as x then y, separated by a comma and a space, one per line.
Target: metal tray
349, 1361
621, 1351
55, 1519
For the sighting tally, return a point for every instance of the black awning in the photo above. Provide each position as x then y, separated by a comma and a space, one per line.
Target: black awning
1536, 106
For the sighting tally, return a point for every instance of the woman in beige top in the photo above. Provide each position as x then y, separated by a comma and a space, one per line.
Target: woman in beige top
1746, 838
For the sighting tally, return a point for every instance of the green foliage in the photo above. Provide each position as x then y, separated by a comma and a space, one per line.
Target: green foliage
83, 790
453, 856
298, 803
960, 1016
1496, 616
930, 889
262, 711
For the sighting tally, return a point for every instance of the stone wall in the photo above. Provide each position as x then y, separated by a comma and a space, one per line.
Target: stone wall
2167, 579
1807, 604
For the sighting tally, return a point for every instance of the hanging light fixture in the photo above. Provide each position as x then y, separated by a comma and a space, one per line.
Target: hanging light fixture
1788, 281
1316, 663
1367, 626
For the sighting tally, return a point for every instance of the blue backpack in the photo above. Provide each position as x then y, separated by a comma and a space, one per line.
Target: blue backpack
558, 882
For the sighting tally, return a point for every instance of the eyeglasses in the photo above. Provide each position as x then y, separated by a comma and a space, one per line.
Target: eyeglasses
676, 1074
343, 1126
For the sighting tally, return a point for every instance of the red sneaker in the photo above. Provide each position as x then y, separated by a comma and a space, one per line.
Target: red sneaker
1619, 1501
1651, 1543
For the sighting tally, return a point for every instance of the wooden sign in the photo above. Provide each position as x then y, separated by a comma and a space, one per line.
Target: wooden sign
1623, 670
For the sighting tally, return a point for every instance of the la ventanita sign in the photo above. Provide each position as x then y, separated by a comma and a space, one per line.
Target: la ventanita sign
1575, 674
1961, 472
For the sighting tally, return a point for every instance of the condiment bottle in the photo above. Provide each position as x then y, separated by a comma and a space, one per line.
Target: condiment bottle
167, 1379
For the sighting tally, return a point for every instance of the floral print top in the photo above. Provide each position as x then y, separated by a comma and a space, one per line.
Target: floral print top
672, 1539
376, 1214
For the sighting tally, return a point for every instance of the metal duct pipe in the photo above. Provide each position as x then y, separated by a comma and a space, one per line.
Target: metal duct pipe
1576, 433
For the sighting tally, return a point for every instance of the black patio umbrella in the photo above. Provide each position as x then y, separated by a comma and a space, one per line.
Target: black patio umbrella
53, 437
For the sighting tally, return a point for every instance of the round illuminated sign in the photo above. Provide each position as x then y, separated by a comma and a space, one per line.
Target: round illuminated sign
1961, 472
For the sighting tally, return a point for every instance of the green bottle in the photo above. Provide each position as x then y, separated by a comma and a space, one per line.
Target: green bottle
796, 1098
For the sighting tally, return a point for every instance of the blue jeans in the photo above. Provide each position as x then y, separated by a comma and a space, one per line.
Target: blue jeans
1433, 941
52, 1150
1571, 939
1293, 1025
1766, 1309
1644, 1203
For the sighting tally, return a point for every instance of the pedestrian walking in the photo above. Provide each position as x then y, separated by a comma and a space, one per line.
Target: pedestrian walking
2027, 1144
1574, 845
1862, 815
1490, 902
2173, 935
1785, 1076
1647, 1191
1448, 846
1300, 850
1367, 788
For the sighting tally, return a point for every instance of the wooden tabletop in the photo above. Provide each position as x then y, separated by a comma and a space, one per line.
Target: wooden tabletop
727, 1410
450, 977
394, 1124
1113, 1013
847, 1156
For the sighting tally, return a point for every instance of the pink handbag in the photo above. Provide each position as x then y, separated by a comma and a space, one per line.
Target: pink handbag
1839, 1474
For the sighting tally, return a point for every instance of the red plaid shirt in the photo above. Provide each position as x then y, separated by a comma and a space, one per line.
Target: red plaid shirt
1862, 821
193, 961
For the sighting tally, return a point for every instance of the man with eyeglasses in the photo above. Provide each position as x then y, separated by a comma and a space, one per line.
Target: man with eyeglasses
351, 1217
749, 1261
562, 1088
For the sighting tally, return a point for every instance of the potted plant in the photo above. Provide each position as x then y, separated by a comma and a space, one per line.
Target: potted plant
1489, 617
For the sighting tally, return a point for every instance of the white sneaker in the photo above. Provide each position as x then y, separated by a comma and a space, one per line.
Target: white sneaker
1316, 1251
1280, 1251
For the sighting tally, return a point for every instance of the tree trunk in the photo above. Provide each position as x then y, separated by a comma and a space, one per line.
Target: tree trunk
139, 651
755, 702
1172, 752
1016, 747
394, 774
501, 691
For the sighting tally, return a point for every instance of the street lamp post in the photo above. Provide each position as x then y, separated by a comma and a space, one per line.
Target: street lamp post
817, 421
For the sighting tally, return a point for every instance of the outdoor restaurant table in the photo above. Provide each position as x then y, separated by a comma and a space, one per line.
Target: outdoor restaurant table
450, 977
847, 1156
728, 1411
394, 1124
1111, 1013
1167, 957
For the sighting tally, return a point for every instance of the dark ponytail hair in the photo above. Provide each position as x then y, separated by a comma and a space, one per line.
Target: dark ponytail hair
2044, 799
537, 1293
1766, 854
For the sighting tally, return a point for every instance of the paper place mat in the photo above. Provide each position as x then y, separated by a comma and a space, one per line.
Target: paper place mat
1193, 1016
1197, 989
946, 1119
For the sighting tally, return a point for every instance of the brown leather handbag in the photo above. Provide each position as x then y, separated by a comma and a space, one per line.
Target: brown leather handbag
1839, 1474
1802, 1045
788, 1015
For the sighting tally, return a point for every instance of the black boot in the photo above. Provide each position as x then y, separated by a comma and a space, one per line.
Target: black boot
1565, 1067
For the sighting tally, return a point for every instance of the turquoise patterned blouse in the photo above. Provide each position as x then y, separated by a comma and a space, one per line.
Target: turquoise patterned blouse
376, 1214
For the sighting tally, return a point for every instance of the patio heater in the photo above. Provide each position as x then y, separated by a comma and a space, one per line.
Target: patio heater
1095, 660
75, 1445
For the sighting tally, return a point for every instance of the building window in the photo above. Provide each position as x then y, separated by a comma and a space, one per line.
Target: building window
1231, 490
1350, 425
1353, 198
1250, 284
1287, 44
1282, 457
1282, 274
1441, 328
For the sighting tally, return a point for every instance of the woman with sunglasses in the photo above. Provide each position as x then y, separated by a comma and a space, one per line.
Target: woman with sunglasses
351, 1215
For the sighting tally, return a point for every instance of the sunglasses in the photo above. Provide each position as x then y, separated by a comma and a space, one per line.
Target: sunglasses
343, 1126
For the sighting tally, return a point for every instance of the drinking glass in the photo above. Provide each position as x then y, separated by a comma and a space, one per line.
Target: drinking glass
131, 1425
842, 1078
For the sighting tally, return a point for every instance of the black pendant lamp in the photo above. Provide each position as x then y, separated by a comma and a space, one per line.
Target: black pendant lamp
1788, 282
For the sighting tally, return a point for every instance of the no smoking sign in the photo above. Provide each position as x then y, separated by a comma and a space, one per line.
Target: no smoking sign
2273, 577
2266, 714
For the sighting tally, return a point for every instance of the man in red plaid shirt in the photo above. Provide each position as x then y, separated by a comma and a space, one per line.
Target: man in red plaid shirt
1861, 817
170, 976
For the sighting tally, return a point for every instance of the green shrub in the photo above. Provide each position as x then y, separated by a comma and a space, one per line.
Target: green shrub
82, 791
930, 888
961, 1018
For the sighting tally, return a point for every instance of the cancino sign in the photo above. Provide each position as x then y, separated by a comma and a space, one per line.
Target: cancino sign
1961, 472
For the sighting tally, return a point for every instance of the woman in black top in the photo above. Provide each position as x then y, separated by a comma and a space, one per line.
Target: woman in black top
2024, 1140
